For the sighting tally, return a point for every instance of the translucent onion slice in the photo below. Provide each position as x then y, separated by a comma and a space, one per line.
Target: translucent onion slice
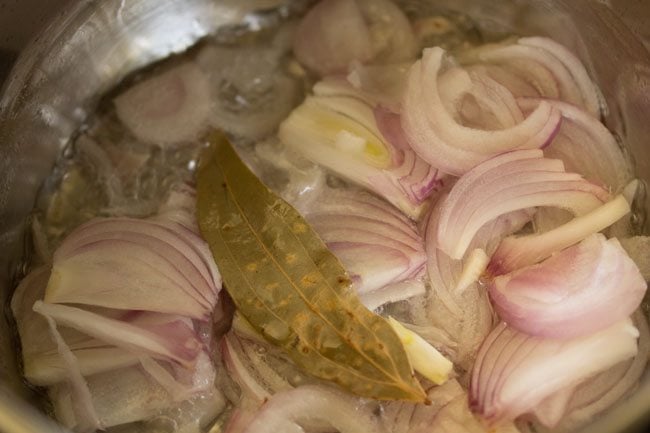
447, 412
158, 335
119, 262
477, 100
466, 315
514, 372
288, 411
601, 392
341, 133
378, 246
250, 369
549, 67
251, 91
393, 40
453, 148
576, 292
335, 33
109, 390
509, 182
586, 146
331, 35
169, 108
42, 362
516, 252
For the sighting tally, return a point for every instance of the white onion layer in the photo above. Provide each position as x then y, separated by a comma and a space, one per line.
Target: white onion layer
169, 108
578, 291
512, 181
453, 148
288, 411
514, 372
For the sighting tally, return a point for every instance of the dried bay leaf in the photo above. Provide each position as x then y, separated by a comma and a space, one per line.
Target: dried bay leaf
291, 288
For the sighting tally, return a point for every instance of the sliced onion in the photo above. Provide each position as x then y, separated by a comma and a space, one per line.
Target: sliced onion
249, 88
516, 252
249, 368
393, 293
404, 417
42, 363
86, 417
110, 391
581, 290
169, 108
447, 412
544, 64
288, 411
393, 40
586, 146
165, 337
119, 262
512, 181
477, 100
453, 148
335, 33
380, 84
599, 393
465, 315
376, 245
340, 133
331, 35
514, 372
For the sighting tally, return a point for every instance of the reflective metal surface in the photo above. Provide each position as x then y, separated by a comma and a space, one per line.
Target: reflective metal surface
91, 45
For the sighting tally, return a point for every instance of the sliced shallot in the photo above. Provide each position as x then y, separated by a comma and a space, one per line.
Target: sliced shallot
545, 65
516, 252
162, 337
580, 290
288, 411
466, 315
119, 262
586, 146
509, 182
169, 108
376, 244
335, 33
453, 148
341, 133
514, 372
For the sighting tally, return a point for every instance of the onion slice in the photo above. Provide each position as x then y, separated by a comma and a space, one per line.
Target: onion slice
336, 33
545, 65
578, 291
516, 252
466, 315
514, 372
169, 108
163, 337
453, 148
331, 35
303, 406
341, 133
378, 246
119, 262
509, 182
586, 146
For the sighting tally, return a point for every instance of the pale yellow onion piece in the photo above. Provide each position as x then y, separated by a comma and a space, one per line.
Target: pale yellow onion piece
424, 358
474, 266
516, 252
